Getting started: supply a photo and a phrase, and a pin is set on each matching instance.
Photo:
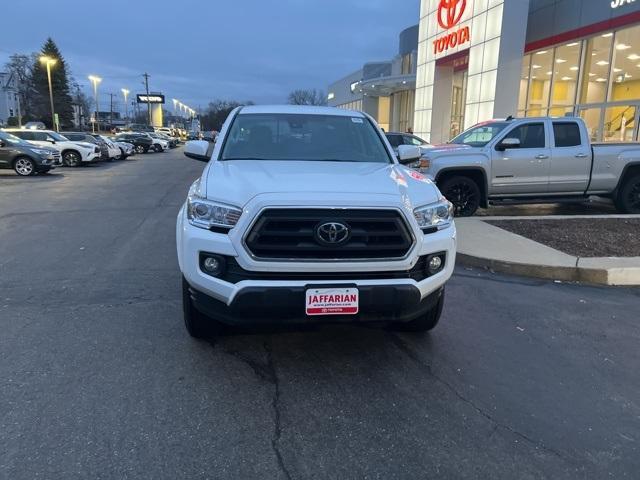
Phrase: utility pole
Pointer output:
(146, 86)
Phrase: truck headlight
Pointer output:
(437, 215)
(206, 214)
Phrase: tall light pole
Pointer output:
(125, 92)
(50, 62)
(95, 81)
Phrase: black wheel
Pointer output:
(24, 166)
(628, 200)
(122, 155)
(71, 159)
(426, 322)
(145, 149)
(197, 323)
(139, 149)
(464, 193)
(157, 148)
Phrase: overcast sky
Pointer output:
(199, 50)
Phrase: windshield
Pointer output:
(303, 137)
(7, 137)
(481, 134)
(57, 137)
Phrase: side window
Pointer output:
(24, 135)
(409, 140)
(531, 135)
(395, 140)
(567, 134)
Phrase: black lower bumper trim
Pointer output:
(286, 305)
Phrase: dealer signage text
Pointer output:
(620, 3)
(150, 98)
(449, 15)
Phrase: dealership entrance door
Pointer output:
(449, 97)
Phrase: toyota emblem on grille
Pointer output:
(332, 233)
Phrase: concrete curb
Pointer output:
(484, 246)
(593, 271)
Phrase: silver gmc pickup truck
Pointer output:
(531, 160)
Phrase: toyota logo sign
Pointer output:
(450, 12)
(332, 234)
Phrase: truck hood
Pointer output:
(450, 149)
(238, 181)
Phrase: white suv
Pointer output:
(304, 214)
(73, 154)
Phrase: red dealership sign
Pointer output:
(449, 14)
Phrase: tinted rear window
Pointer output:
(567, 134)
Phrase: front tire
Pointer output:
(24, 167)
(628, 200)
(197, 323)
(157, 148)
(426, 322)
(463, 193)
(71, 159)
(140, 149)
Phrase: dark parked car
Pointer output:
(173, 142)
(87, 137)
(397, 139)
(26, 158)
(141, 142)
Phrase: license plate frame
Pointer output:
(332, 300)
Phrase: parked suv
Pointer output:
(141, 142)
(305, 215)
(25, 158)
(73, 154)
(89, 138)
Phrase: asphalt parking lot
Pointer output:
(522, 379)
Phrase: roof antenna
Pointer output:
(509, 118)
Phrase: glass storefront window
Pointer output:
(565, 78)
(540, 83)
(591, 117)
(596, 69)
(626, 73)
(524, 83)
(619, 124)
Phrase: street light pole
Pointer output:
(49, 62)
(125, 92)
(96, 80)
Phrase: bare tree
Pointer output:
(20, 67)
(307, 97)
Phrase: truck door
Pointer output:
(522, 169)
(570, 159)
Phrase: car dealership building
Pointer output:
(482, 59)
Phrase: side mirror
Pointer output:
(408, 154)
(197, 149)
(508, 143)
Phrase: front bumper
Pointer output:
(286, 305)
(91, 157)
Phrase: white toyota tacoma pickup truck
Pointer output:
(529, 160)
(304, 214)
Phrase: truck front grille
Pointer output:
(292, 234)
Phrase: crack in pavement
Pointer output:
(406, 349)
(268, 373)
